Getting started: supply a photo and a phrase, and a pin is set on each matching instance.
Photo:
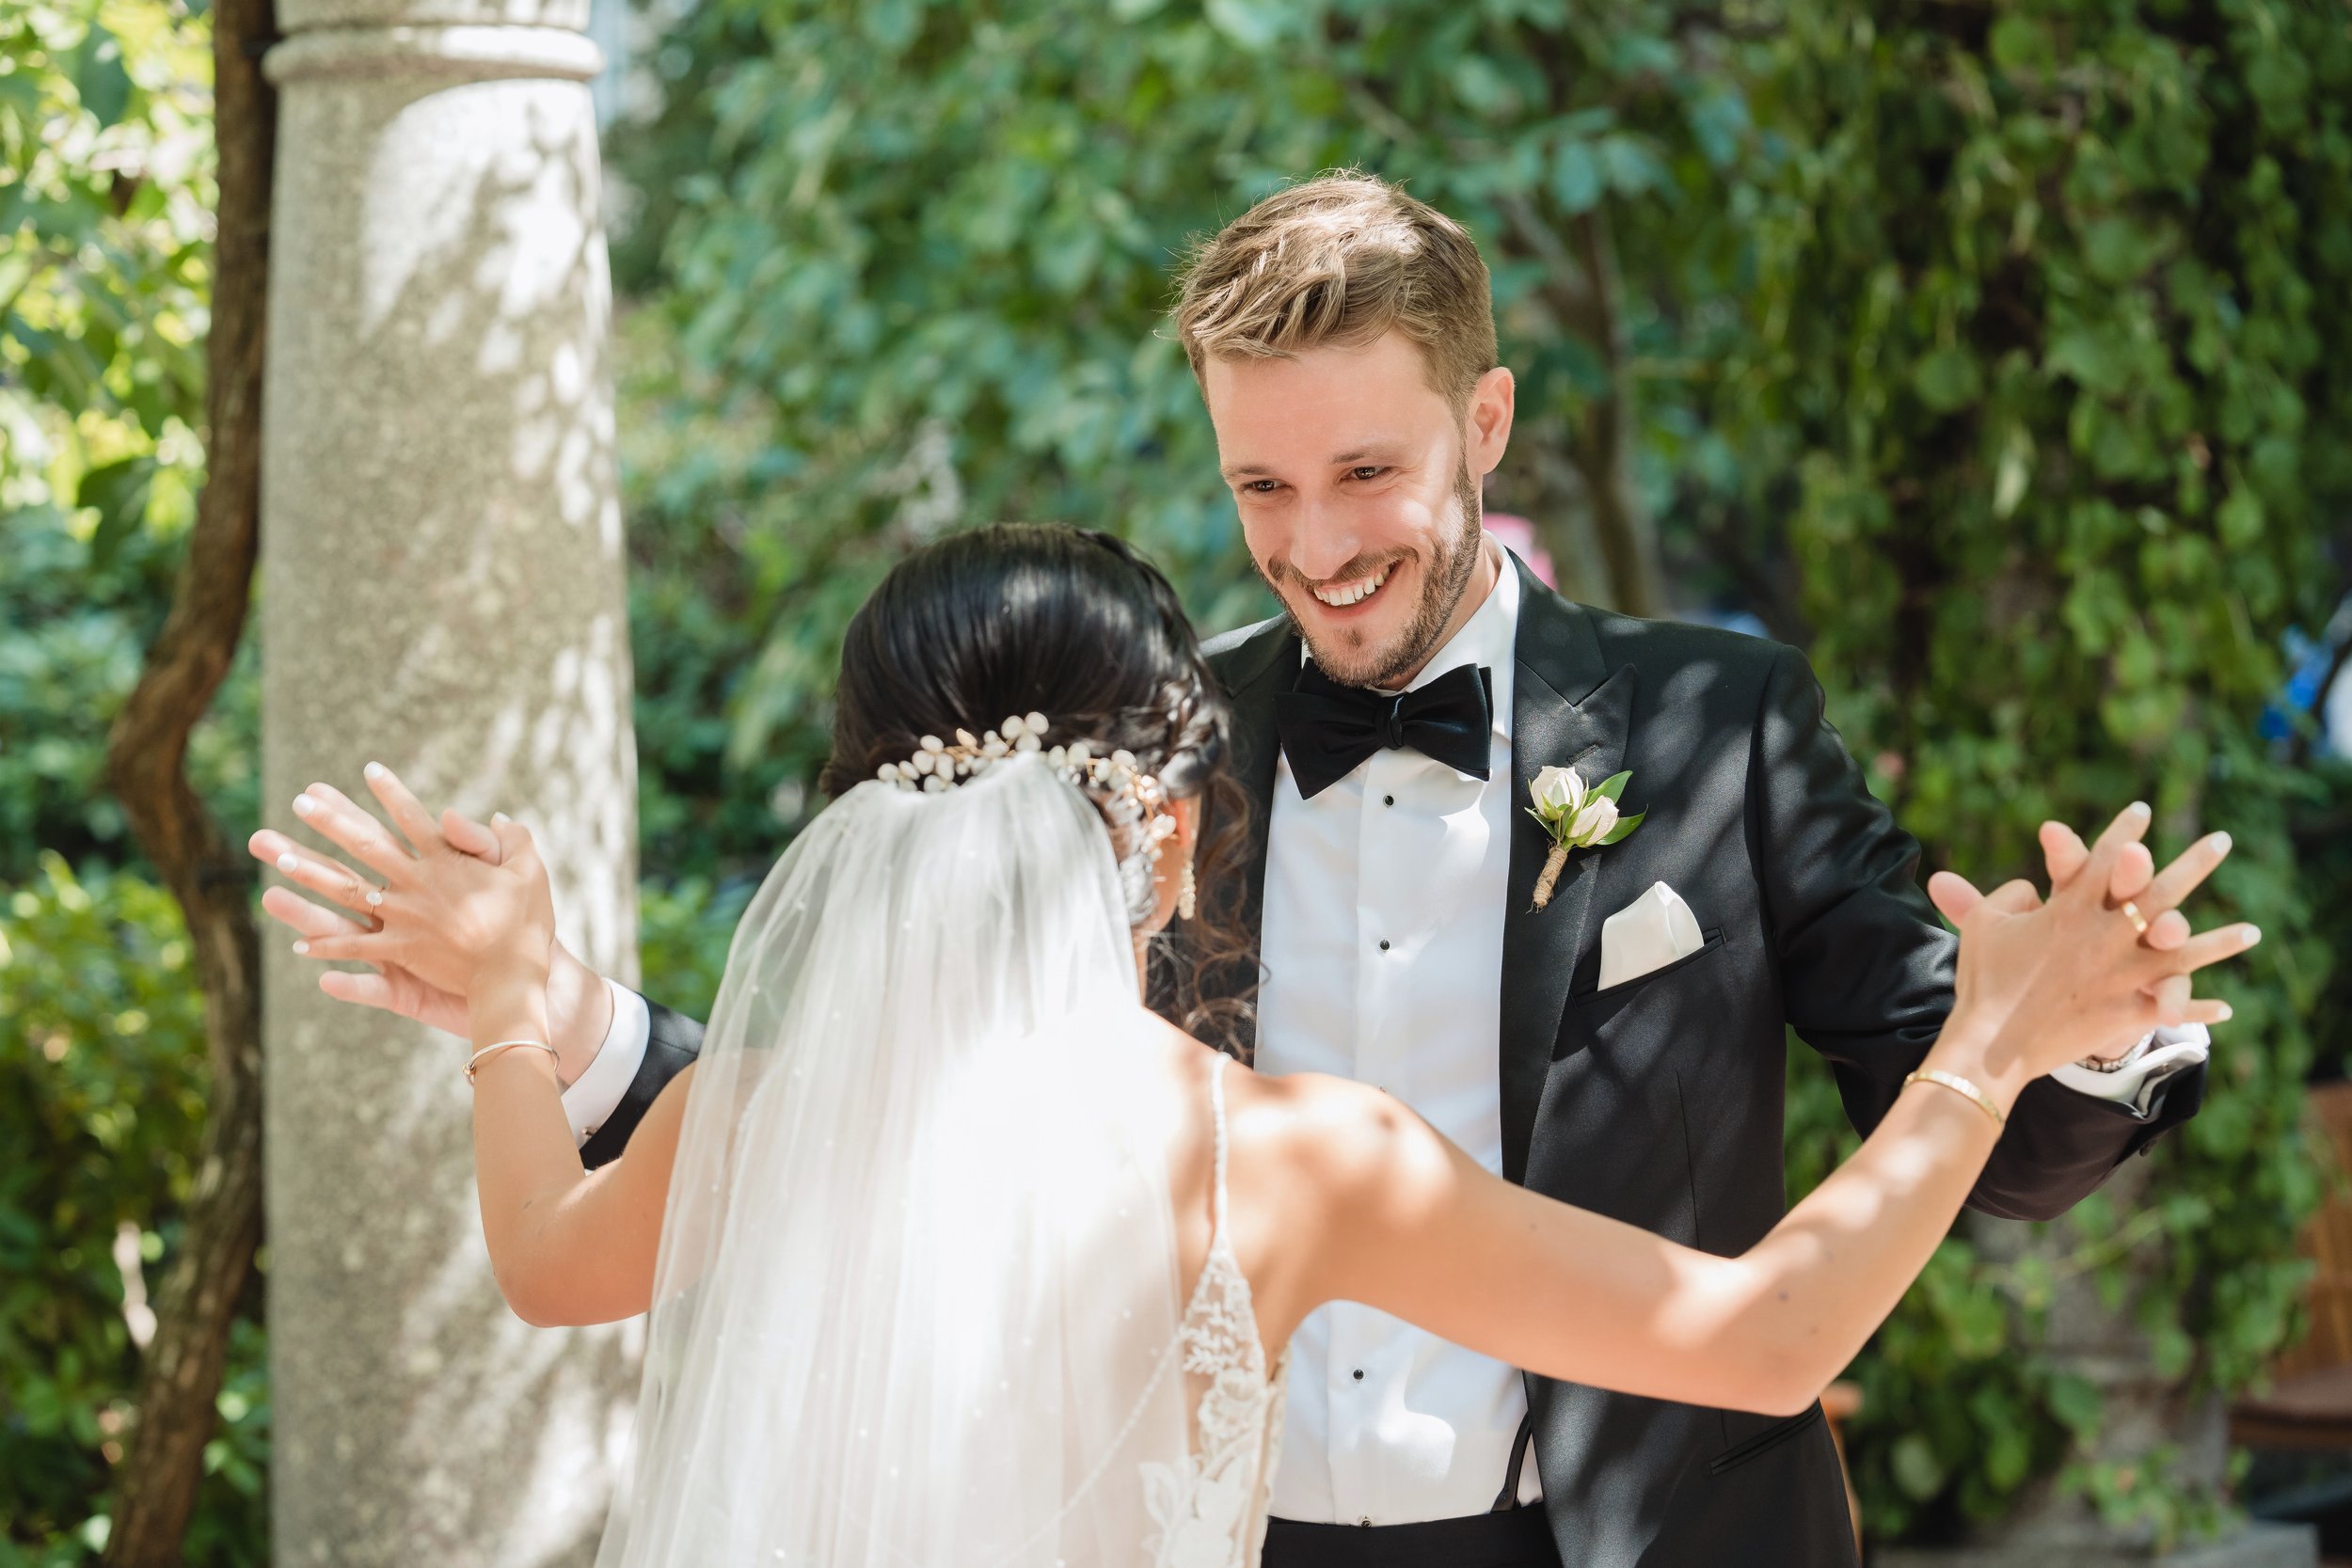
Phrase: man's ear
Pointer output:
(1488, 432)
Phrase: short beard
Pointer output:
(1447, 579)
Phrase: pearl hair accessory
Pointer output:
(1130, 799)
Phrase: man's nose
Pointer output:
(1323, 541)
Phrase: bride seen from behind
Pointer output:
(956, 1253)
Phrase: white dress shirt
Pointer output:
(597, 1092)
(1385, 899)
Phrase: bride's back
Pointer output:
(945, 1192)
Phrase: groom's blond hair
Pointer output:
(1339, 261)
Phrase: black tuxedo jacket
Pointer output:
(1659, 1101)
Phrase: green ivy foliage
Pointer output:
(102, 1073)
(2051, 376)
(106, 171)
(105, 186)
(911, 264)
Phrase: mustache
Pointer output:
(1277, 573)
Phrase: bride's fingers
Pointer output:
(2166, 932)
(2063, 853)
(365, 990)
(2014, 897)
(2129, 827)
(2135, 867)
(2172, 995)
(408, 813)
(330, 811)
(320, 874)
(308, 919)
(1954, 896)
(2175, 882)
(2226, 941)
(469, 837)
(2207, 1009)
(367, 947)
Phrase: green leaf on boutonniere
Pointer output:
(1612, 788)
(1625, 824)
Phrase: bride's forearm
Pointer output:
(1825, 1278)
(524, 1160)
(1417, 1229)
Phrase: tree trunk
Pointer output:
(163, 1462)
(1593, 460)
(1603, 451)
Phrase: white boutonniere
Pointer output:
(1578, 816)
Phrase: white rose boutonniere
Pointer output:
(1578, 816)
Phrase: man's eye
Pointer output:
(1260, 487)
(1367, 471)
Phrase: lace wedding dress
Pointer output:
(1210, 1508)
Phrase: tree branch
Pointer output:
(164, 1456)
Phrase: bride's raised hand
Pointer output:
(2042, 985)
(452, 914)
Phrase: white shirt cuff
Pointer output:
(597, 1092)
(2147, 1064)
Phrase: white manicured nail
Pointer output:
(2226, 1014)
(303, 947)
(304, 806)
(499, 817)
(2140, 808)
(2251, 934)
(372, 771)
(2219, 843)
(287, 862)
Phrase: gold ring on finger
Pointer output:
(2131, 913)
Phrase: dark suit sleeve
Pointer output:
(671, 1047)
(1866, 966)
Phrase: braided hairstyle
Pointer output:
(1018, 618)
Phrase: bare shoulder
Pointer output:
(1325, 1130)
(1333, 1156)
(1310, 1135)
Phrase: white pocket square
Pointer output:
(1649, 933)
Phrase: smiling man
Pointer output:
(1389, 724)
(1360, 507)
(1622, 1047)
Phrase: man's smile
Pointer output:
(1345, 595)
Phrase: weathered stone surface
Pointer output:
(295, 17)
(441, 590)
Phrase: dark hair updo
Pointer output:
(1021, 618)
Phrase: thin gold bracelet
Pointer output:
(1958, 1084)
(475, 1060)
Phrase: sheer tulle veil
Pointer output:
(917, 1298)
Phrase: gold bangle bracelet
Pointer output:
(477, 1058)
(1959, 1085)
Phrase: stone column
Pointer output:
(441, 589)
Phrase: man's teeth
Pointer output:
(1353, 592)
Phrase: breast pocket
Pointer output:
(1673, 998)
(1710, 941)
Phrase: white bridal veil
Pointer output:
(918, 1299)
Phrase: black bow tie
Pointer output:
(1328, 728)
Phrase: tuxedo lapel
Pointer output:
(1254, 667)
(1569, 709)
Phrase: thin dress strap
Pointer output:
(1217, 1102)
